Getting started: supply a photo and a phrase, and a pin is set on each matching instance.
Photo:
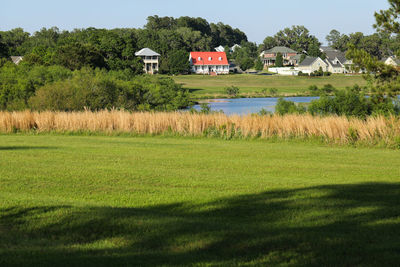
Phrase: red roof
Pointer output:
(209, 58)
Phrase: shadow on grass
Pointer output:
(337, 225)
(25, 147)
(192, 90)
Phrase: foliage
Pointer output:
(98, 89)
(176, 63)
(245, 56)
(297, 38)
(288, 107)
(327, 89)
(273, 91)
(232, 90)
(19, 83)
(351, 102)
(258, 65)
(279, 60)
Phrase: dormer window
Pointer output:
(220, 58)
(209, 58)
(199, 58)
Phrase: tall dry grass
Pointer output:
(334, 129)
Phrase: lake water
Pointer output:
(243, 106)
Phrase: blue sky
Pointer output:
(257, 18)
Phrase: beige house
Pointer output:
(311, 64)
(150, 60)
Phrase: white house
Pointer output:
(336, 60)
(220, 49)
(150, 59)
(311, 64)
(212, 63)
(16, 59)
(392, 61)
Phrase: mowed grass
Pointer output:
(152, 201)
(201, 85)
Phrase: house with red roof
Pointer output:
(209, 63)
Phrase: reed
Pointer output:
(343, 130)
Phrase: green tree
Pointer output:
(259, 65)
(178, 62)
(75, 55)
(279, 60)
(333, 37)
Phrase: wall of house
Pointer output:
(315, 66)
(205, 69)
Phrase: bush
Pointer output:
(303, 74)
(232, 90)
(273, 91)
(352, 102)
(97, 89)
(288, 107)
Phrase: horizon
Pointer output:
(65, 16)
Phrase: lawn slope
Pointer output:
(205, 85)
(151, 201)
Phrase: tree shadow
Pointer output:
(26, 147)
(192, 90)
(335, 225)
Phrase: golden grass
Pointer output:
(334, 129)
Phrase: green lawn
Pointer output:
(151, 201)
(203, 85)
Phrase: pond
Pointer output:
(243, 106)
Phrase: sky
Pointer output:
(257, 18)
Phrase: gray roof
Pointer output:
(146, 52)
(308, 61)
(297, 57)
(335, 54)
(280, 49)
(330, 62)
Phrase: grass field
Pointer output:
(151, 201)
(204, 85)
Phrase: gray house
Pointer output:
(150, 59)
(311, 64)
(336, 60)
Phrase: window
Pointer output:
(199, 58)
(209, 58)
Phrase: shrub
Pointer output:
(288, 107)
(232, 90)
(273, 91)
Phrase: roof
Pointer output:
(205, 56)
(219, 49)
(280, 49)
(308, 61)
(235, 46)
(297, 57)
(16, 59)
(146, 52)
(396, 60)
(331, 62)
(332, 54)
